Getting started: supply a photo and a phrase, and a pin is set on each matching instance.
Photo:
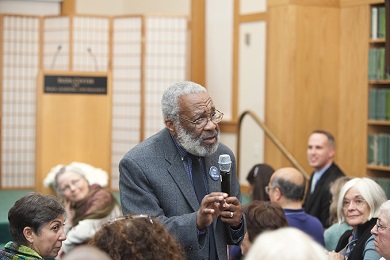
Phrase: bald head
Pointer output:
(289, 174)
(291, 183)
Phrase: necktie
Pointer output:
(200, 190)
(197, 179)
(314, 182)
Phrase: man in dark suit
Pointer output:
(320, 154)
(174, 175)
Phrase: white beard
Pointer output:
(194, 145)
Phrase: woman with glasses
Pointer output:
(87, 206)
(358, 205)
(381, 231)
(137, 237)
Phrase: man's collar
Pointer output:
(180, 149)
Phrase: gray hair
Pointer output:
(33, 210)
(170, 100)
(291, 191)
(385, 209)
(62, 171)
(371, 192)
(302, 246)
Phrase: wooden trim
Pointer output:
(329, 3)
(198, 42)
(228, 127)
(244, 189)
(68, 7)
(235, 59)
(348, 3)
(247, 18)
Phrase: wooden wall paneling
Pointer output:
(197, 27)
(302, 73)
(349, 3)
(353, 94)
(280, 79)
(68, 7)
(235, 57)
(317, 72)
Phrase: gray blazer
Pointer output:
(153, 181)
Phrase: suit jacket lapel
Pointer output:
(176, 169)
(209, 162)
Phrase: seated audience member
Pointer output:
(321, 148)
(84, 252)
(287, 243)
(137, 237)
(287, 187)
(381, 231)
(36, 226)
(358, 205)
(334, 232)
(258, 178)
(261, 216)
(87, 206)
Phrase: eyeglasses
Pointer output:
(268, 189)
(201, 122)
(357, 202)
(132, 216)
(73, 183)
(379, 226)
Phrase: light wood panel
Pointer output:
(197, 26)
(68, 7)
(352, 128)
(302, 77)
(72, 127)
(346, 3)
(329, 3)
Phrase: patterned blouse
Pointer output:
(12, 251)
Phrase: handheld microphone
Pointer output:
(225, 163)
(93, 56)
(53, 61)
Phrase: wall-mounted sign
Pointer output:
(75, 84)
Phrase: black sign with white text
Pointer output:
(75, 84)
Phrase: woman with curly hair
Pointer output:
(137, 237)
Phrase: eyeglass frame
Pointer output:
(357, 202)
(380, 226)
(209, 117)
(132, 216)
(267, 189)
(73, 183)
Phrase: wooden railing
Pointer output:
(271, 136)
